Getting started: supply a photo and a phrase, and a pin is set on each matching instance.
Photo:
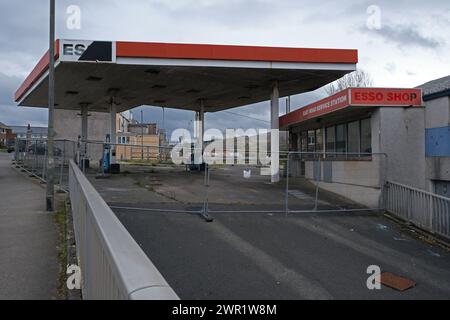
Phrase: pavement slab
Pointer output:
(28, 239)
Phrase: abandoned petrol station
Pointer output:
(384, 148)
(366, 135)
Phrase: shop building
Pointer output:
(355, 140)
(436, 96)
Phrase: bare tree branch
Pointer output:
(358, 78)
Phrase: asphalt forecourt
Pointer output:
(267, 255)
(264, 256)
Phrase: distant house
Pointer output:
(36, 133)
(139, 141)
(145, 128)
(6, 135)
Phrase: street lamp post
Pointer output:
(50, 197)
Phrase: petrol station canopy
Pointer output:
(178, 75)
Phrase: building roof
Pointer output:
(436, 88)
(351, 102)
(178, 75)
(34, 130)
(137, 124)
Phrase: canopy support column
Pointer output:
(113, 131)
(199, 132)
(201, 119)
(274, 149)
(84, 131)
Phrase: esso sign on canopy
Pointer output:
(71, 49)
(87, 51)
(386, 97)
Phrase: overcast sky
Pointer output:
(411, 47)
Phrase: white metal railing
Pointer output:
(113, 266)
(425, 209)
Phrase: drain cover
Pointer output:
(396, 282)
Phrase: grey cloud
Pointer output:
(408, 35)
(23, 25)
(10, 114)
(230, 13)
(19, 116)
(405, 35)
(8, 86)
(391, 67)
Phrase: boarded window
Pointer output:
(366, 136)
(311, 141)
(319, 140)
(331, 139)
(353, 142)
(341, 139)
(304, 141)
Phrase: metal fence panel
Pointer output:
(31, 156)
(425, 209)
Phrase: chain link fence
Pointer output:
(31, 155)
(309, 181)
(316, 182)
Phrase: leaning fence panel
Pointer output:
(424, 209)
(336, 182)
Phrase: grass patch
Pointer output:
(145, 186)
(61, 222)
(140, 184)
(152, 163)
(140, 162)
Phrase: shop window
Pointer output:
(311, 141)
(330, 139)
(294, 142)
(304, 141)
(366, 136)
(303, 144)
(346, 141)
(122, 140)
(353, 142)
(319, 140)
(341, 139)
